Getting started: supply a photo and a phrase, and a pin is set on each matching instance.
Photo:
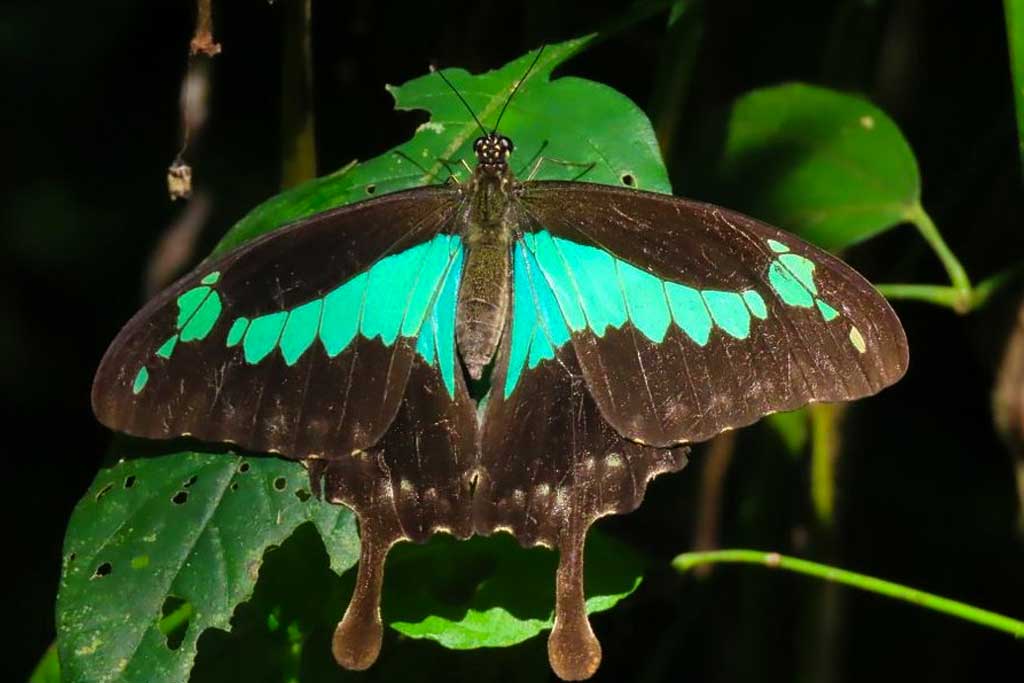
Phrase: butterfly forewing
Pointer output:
(301, 341)
(688, 319)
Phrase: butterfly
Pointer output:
(615, 327)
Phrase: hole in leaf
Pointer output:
(174, 622)
(104, 491)
(303, 495)
(234, 486)
(71, 558)
(243, 468)
(102, 570)
(129, 481)
(280, 483)
(371, 188)
(180, 498)
(191, 480)
(628, 180)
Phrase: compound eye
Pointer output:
(506, 143)
(477, 144)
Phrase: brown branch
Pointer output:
(202, 39)
(712, 484)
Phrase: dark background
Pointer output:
(926, 490)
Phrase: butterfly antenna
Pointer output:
(461, 98)
(518, 85)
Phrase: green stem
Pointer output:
(824, 452)
(944, 295)
(957, 275)
(675, 73)
(940, 295)
(176, 618)
(999, 622)
(297, 117)
(1015, 39)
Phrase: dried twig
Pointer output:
(202, 40)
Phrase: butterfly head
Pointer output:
(492, 152)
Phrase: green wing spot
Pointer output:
(189, 302)
(212, 278)
(262, 336)
(200, 324)
(342, 311)
(689, 312)
(550, 332)
(594, 270)
(300, 330)
(802, 268)
(237, 331)
(556, 272)
(827, 312)
(436, 262)
(167, 348)
(788, 287)
(756, 304)
(443, 321)
(855, 338)
(645, 299)
(729, 312)
(538, 325)
(523, 320)
(778, 247)
(140, 380)
(387, 293)
(425, 342)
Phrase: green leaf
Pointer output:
(1015, 39)
(566, 119)
(163, 547)
(488, 592)
(48, 668)
(831, 167)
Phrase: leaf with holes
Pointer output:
(571, 122)
(164, 547)
(831, 167)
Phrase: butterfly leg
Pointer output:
(572, 164)
(427, 173)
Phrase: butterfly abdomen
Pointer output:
(483, 303)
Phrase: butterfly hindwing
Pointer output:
(300, 342)
(550, 464)
(688, 319)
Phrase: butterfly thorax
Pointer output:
(486, 286)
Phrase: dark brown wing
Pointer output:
(696, 319)
(283, 345)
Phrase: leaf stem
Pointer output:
(176, 618)
(999, 622)
(1015, 38)
(297, 118)
(944, 295)
(824, 453)
(940, 295)
(957, 275)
